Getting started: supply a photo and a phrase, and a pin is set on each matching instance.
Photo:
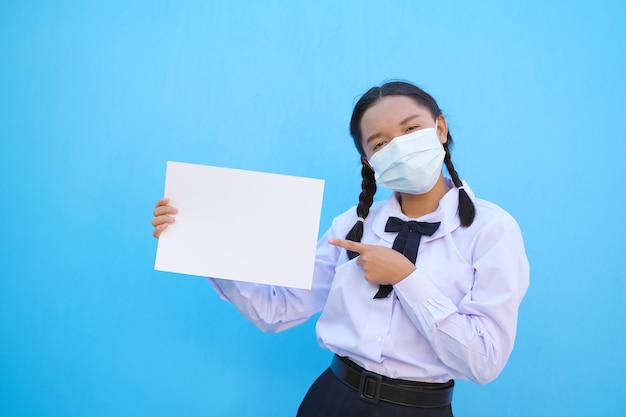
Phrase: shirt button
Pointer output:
(379, 338)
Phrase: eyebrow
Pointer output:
(403, 122)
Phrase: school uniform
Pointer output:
(453, 318)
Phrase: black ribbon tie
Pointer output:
(407, 242)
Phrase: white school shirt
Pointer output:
(454, 317)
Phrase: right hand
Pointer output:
(163, 216)
(381, 265)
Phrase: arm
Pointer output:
(272, 308)
(474, 336)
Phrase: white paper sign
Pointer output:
(241, 225)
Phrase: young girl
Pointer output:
(415, 291)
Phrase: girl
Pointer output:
(403, 327)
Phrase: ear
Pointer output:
(442, 129)
(366, 162)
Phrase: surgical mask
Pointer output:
(410, 163)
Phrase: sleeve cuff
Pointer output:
(217, 286)
(424, 302)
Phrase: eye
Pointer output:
(379, 145)
(412, 128)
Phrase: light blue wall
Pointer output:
(95, 97)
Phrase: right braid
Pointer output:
(467, 211)
(366, 199)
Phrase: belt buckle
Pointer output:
(367, 378)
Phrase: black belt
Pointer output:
(373, 387)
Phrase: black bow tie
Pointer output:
(407, 242)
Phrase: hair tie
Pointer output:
(460, 188)
(360, 219)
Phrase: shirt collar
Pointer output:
(446, 213)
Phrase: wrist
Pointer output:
(405, 273)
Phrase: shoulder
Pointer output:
(492, 227)
(488, 213)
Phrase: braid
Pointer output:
(467, 211)
(366, 199)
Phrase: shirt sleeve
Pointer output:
(474, 336)
(272, 308)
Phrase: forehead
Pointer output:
(388, 112)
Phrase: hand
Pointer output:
(380, 264)
(163, 216)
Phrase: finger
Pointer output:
(165, 210)
(162, 202)
(159, 220)
(159, 229)
(348, 244)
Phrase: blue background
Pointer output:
(95, 97)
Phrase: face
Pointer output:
(393, 116)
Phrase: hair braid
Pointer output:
(366, 199)
(467, 211)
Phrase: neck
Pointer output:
(417, 205)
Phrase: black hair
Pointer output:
(466, 209)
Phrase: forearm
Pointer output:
(270, 308)
(472, 339)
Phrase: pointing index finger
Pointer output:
(347, 244)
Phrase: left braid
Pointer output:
(366, 199)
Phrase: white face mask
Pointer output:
(410, 163)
